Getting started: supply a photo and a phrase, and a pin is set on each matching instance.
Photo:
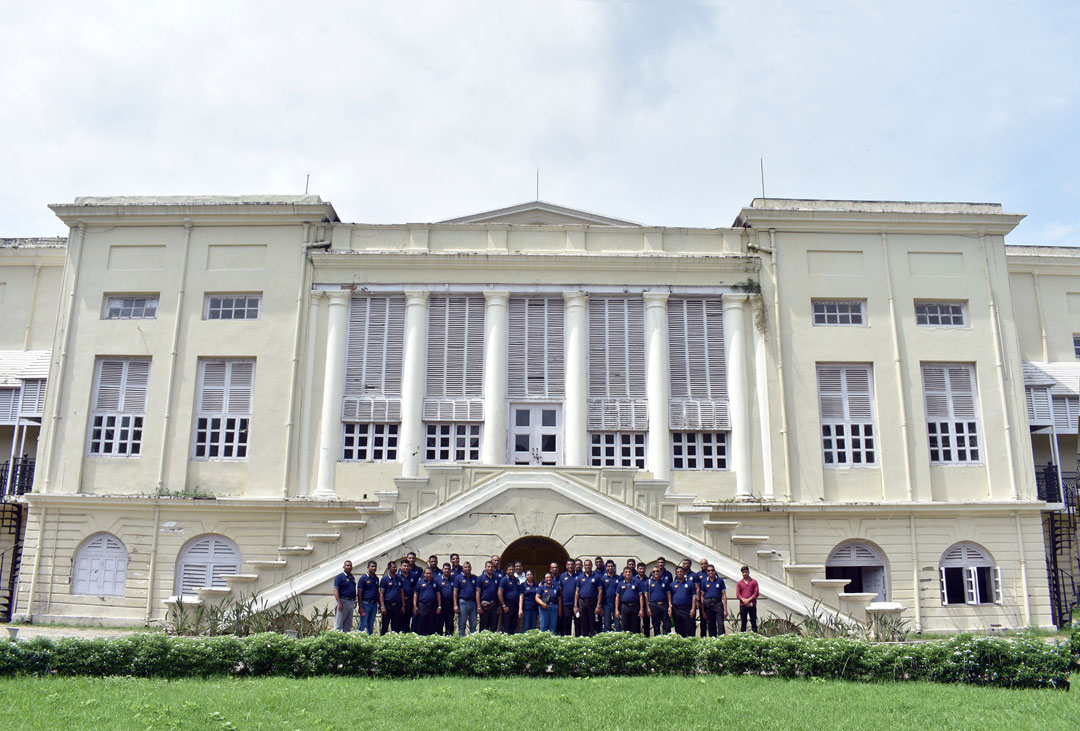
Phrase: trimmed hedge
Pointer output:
(1017, 662)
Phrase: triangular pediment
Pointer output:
(541, 213)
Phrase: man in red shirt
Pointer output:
(747, 592)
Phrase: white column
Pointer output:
(411, 439)
(496, 325)
(657, 384)
(309, 394)
(333, 390)
(737, 394)
(764, 416)
(576, 425)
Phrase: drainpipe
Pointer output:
(33, 301)
(898, 368)
(1023, 570)
(916, 591)
(165, 436)
(999, 367)
(37, 564)
(151, 576)
(771, 251)
(74, 259)
(294, 366)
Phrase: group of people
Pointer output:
(577, 601)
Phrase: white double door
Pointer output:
(535, 434)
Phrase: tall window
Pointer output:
(941, 314)
(453, 403)
(232, 306)
(223, 418)
(372, 406)
(119, 406)
(846, 406)
(698, 411)
(536, 365)
(617, 449)
(969, 576)
(131, 307)
(951, 412)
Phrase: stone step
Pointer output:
(837, 584)
(770, 556)
(213, 592)
(721, 525)
(234, 579)
(187, 601)
(323, 537)
(268, 564)
(804, 568)
(749, 540)
(295, 550)
(857, 597)
(376, 509)
(348, 523)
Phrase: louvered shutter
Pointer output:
(110, 384)
(859, 400)
(697, 365)
(998, 594)
(935, 393)
(1065, 411)
(241, 380)
(831, 393)
(455, 359)
(212, 395)
(944, 591)
(373, 364)
(9, 405)
(135, 384)
(101, 567)
(32, 399)
(1038, 405)
(536, 361)
(962, 391)
(970, 590)
(616, 398)
(205, 563)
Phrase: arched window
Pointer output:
(100, 566)
(969, 576)
(205, 561)
(862, 565)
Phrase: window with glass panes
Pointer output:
(369, 442)
(941, 314)
(223, 417)
(839, 312)
(232, 306)
(846, 408)
(131, 307)
(119, 399)
(699, 450)
(452, 442)
(952, 418)
(617, 449)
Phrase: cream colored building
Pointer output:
(245, 391)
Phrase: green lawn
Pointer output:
(452, 703)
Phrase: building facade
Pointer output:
(849, 397)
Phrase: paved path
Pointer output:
(29, 631)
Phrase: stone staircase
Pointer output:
(420, 504)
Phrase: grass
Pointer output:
(476, 704)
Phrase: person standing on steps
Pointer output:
(488, 586)
(683, 603)
(528, 610)
(659, 592)
(587, 601)
(390, 598)
(427, 604)
(368, 587)
(445, 580)
(611, 588)
(510, 600)
(344, 598)
(642, 581)
(712, 596)
(747, 593)
(629, 602)
(547, 598)
(568, 584)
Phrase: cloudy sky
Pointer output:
(653, 111)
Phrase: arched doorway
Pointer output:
(535, 553)
(862, 564)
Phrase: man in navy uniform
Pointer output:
(700, 576)
(408, 589)
(509, 601)
(445, 581)
(427, 603)
(629, 603)
(568, 581)
(659, 592)
(455, 564)
(683, 603)
(642, 580)
(433, 564)
(390, 598)
(344, 598)
(587, 604)
(661, 563)
(712, 595)
(368, 588)
(611, 585)
(488, 585)
(466, 598)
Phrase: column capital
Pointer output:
(496, 296)
(655, 299)
(735, 300)
(416, 297)
(338, 296)
(575, 298)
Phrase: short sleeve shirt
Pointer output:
(346, 585)
(466, 586)
(628, 591)
(511, 590)
(568, 584)
(589, 585)
(489, 588)
(369, 588)
(391, 588)
(611, 585)
(682, 592)
(427, 591)
(713, 589)
(658, 589)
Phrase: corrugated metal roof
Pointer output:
(23, 365)
(1062, 376)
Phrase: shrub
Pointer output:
(1024, 661)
